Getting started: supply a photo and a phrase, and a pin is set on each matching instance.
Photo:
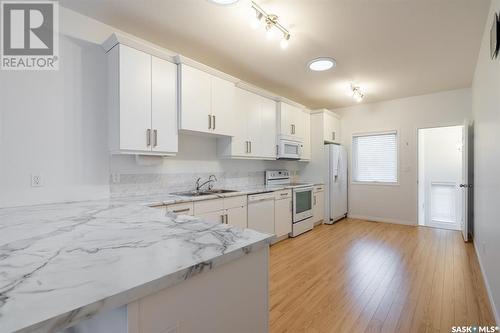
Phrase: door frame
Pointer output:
(417, 180)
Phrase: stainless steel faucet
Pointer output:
(211, 180)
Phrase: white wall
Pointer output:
(440, 161)
(54, 123)
(399, 203)
(486, 110)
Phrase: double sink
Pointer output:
(201, 193)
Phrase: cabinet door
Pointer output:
(135, 98)
(196, 99)
(283, 217)
(318, 206)
(286, 119)
(215, 217)
(237, 216)
(239, 141)
(305, 134)
(253, 121)
(267, 128)
(223, 106)
(164, 105)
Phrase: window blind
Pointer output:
(375, 157)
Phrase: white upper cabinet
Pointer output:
(289, 119)
(223, 106)
(196, 100)
(255, 128)
(330, 130)
(207, 102)
(267, 128)
(305, 133)
(163, 106)
(142, 103)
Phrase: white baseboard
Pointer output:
(380, 219)
(488, 289)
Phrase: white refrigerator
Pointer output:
(336, 183)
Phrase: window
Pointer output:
(375, 157)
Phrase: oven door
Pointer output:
(302, 203)
(289, 149)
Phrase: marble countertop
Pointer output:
(169, 199)
(61, 263)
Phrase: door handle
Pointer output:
(466, 185)
(214, 122)
(155, 137)
(148, 137)
(209, 122)
(181, 210)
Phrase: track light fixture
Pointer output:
(357, 94)
(271, 24)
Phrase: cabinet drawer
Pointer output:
(233, 202)
(284, 194)
(319, 188)
(185, 208)
(207, 206)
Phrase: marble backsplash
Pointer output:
(144, 184)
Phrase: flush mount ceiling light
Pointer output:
(224, 2)
(271, 24)
(321, 64)
(357, 94)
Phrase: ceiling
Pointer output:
(391, 48)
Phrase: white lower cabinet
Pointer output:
(185, 208)
(283, 213)
(231, 210)
(237, 216)
(215, 217)
(318, 203)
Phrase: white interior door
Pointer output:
(464, 186)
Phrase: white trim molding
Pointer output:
(381, 219)
(494, 309)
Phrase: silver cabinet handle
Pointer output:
(227, 219)
(209, 122)
(314, 197)
(250, 146)
(214, 122)
(222, 219)
(148, 137)
(291, 129)
(291, 207)
(247, 150)
(333, 136)
(155, 138)
(181, 210)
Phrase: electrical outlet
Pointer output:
(115, 178)
(36, 180)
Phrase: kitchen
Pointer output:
(150, 180)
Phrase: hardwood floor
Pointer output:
(359, 276)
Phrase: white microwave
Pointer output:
(290, 148)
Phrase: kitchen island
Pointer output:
(122, 266)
